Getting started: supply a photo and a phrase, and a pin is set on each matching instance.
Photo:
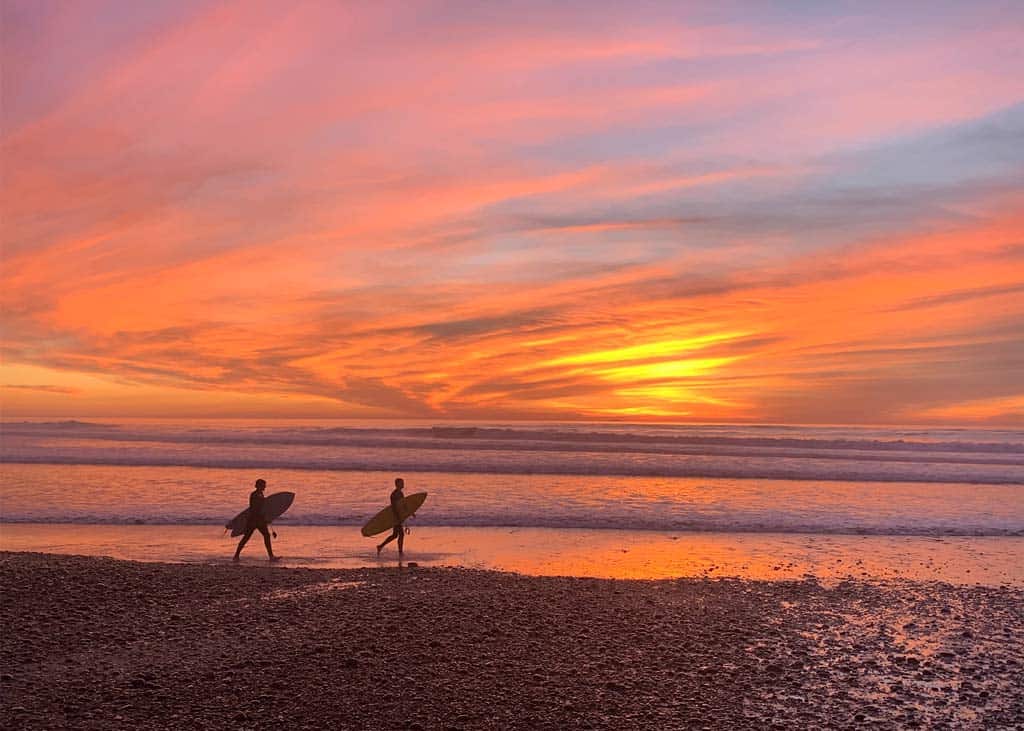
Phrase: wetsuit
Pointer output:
(396, 503)
(256, 521)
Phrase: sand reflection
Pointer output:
(991, 561)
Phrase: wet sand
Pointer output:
(607, 554)
(99, 643)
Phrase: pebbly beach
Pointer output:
(98, 643)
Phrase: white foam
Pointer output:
(795, 453)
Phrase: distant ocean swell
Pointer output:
(795, 453)
(501, 464)
(562, 438)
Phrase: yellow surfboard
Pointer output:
(385, 519)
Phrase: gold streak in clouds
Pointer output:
(669, 395)
(1001, 410)
(68, 393)
(664, 370)
(647, 350)
(638, 412)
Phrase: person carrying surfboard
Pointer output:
(399, 530)
(257, 521)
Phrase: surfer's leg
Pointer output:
(401, 538)
(266, 540)
(394, 534)
(245, 539)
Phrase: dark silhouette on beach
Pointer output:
(399, 530)
(257, 521)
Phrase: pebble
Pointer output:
(479, 649)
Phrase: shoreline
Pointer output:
(102, 643)
(285, 522)
(454, 468)
(595, 553)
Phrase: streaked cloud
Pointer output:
(44, 387)
(707, 212)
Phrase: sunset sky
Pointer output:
(780, 212)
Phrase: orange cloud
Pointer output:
(324, 209)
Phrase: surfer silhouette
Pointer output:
(399, 530)
(257, 521)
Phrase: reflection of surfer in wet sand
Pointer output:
(399, 530)
(257, 520)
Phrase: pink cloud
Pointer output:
(329, 199)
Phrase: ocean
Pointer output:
(830, 480)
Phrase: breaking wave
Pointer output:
(775, 452)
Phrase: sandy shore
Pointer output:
(599, 554)
(99, 643)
